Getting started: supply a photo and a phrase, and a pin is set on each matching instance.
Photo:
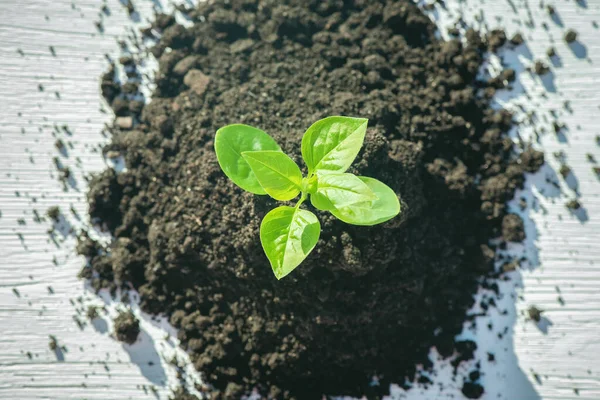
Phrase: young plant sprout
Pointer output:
(254, 162)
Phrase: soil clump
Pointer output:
(369, 301)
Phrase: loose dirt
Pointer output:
(369, 301)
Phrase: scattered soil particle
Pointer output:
(509, 74)
(573, 204)
(513, 229)
(496, 39)
(499, 82)
(163, 21)
(130, 87)
(522, 204)
(120, 106)
(53, 213)
(126, 327)
(517, 39)
(531, 160)
(453, 31)
(92, 312)
(124, 123)
(510, 266)
(474, 375)
(368, 300)
(540, 68)
(570, 36)
(197, 81)
(551, 10)
(182, 394)
(534, 313)
(472, 390)
(127, 61)
(551, 52)
(130, 7)
(53, 343)
(564, 171)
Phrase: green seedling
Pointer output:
(256, 163)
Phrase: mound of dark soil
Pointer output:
(369, 301)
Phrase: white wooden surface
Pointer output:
(531, 363)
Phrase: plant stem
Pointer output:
(302, 198)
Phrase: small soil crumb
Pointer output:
(126, 327)
(92, 312)
(59, 144)
(120, 106)
(162, 21)
(136, 106)
(517, 39)
(570, 36)
(551, 52)
(182, 394)
(522, 204)
(499, 82)
(113, 154)
(185, 65)
(565, 170)
(531, 160)
(557, 127)
(551, 10)
(513, 229)
(124, 123)
(197, 81)
(573, 204)
(509, 74)
(590, 157)
(130, 7)
(53, 343)
(130, 87)
(534, 313)
(53, 213)
(541, 68)
(496, 39)
(472, 390)
(127, 61)
(510, 266)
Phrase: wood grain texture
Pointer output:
(531, 362)
(39, 291)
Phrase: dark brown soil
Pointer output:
(368, 301)
(513, 229)
(126, 327)
(472, 390)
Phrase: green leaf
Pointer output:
(230, 142)
(331, 144)
(288, 235)
(278, 174)
(338, 190)
(373, 212)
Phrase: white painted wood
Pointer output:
(563, 249)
